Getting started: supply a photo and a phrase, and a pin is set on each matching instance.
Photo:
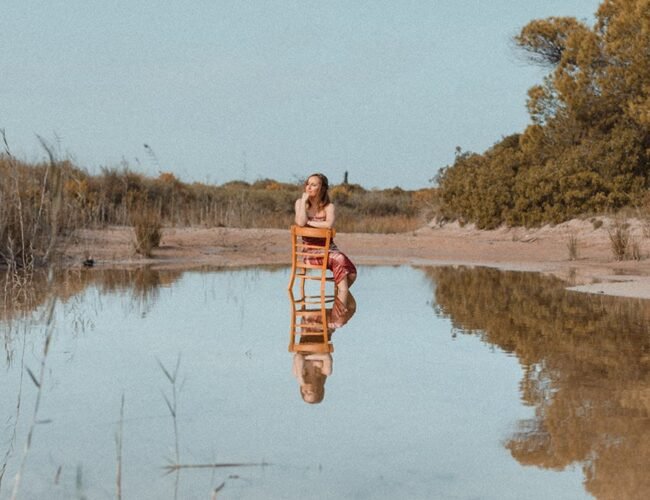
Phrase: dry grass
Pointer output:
(349, 223)
(635, 249)
(620, 239)
(172, 403)
(38, 380)
(147, 226)
(572, 244)
(119, 438)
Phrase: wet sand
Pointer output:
(542, 250)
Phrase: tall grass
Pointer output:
(119, 441)
(38, 380)
(572, 244)
(147, 226)
(32, 210)
(620, 240)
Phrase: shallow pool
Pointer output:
(445, 383)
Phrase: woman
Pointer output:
(314, 209)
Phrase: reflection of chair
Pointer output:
(310, 248)
(309, 332)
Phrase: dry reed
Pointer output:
(635, 249)
(172, 404)
(147, 227)
(38, 382)
(620, 238)
(572, 244)
(119, 435)
(19, 398)
(33, 209)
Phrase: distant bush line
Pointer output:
(42, 202)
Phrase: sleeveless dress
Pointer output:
(338, 262)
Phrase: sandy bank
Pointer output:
(542, 250)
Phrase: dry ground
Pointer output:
(543, 250)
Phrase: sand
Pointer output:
(543, 250)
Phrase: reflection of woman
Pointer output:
(312, 369)
(341, 312)
(315, 209)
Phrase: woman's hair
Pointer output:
(314, 379)
(323, 194)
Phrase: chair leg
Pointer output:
(292, 278)
(324, 321)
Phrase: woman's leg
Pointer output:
(344, 273)
(343, 286)
(342, 289)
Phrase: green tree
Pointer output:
(588, 146)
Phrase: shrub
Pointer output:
(35, 210)
(572, 245)
(147, 226)
(619, 237)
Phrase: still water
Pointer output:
(445, 383)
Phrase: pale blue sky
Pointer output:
(260, 88)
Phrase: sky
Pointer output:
(254, 89)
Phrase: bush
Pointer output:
(147, 226)
(619, 237)
(35, 210)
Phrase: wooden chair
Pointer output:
(301, 252)
(309, 332)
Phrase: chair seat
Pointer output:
(313, 348)
(313, 300)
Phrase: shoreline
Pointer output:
(543, 250)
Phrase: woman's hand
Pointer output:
(301, 210)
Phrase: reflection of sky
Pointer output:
(409, 412)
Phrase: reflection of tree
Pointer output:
(142, 283)
(586, 366)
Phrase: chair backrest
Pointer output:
(310, 250)
(308, 244)
(313, 232)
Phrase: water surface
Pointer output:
(445, 383)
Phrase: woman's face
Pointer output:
(310, 394)
(312, 186)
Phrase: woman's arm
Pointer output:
(329, 218)
(297, 366)
(301, 210)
